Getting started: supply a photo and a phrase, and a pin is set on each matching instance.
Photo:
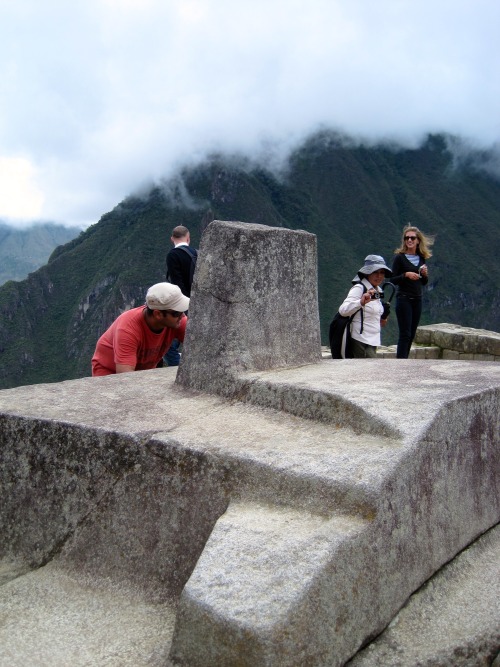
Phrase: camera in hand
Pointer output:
(376, 295)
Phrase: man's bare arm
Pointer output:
(124, 368)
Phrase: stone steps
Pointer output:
(389, 352)
(260, 565)
(458, 606)
(451, 342)
(276, 532)
(54, 617)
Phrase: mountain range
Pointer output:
(355, 198)
(22, 251)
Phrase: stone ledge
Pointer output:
(416, 352)
(446, 341)
(130, 465)
(65, 617)
(464, 340)
(389, 352)
(429, 631)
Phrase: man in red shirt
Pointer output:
(138, 338)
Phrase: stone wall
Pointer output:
(457, 342)
(452, 342)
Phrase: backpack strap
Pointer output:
(190, 251)
(365, 289)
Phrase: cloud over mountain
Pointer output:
(99, 96)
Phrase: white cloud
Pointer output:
(101, 95)
(20, 195)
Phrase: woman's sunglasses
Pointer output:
(410, 238)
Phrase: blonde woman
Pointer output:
(410, 274)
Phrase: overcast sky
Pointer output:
(100, 96)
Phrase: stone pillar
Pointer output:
(254, 305)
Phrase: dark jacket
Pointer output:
(407, 287)
(179, 267)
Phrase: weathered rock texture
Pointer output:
(255, 305)
(436, 628)
(147, 523)
(450, 341)
(456, 342)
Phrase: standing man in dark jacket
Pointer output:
(181, 262)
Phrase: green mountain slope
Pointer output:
(25, 250)
(355, 199)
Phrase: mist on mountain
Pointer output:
(356, 198)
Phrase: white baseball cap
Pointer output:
(165, 296)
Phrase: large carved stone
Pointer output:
(286, 523)
(255, 304)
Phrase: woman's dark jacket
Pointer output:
(407, 287)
